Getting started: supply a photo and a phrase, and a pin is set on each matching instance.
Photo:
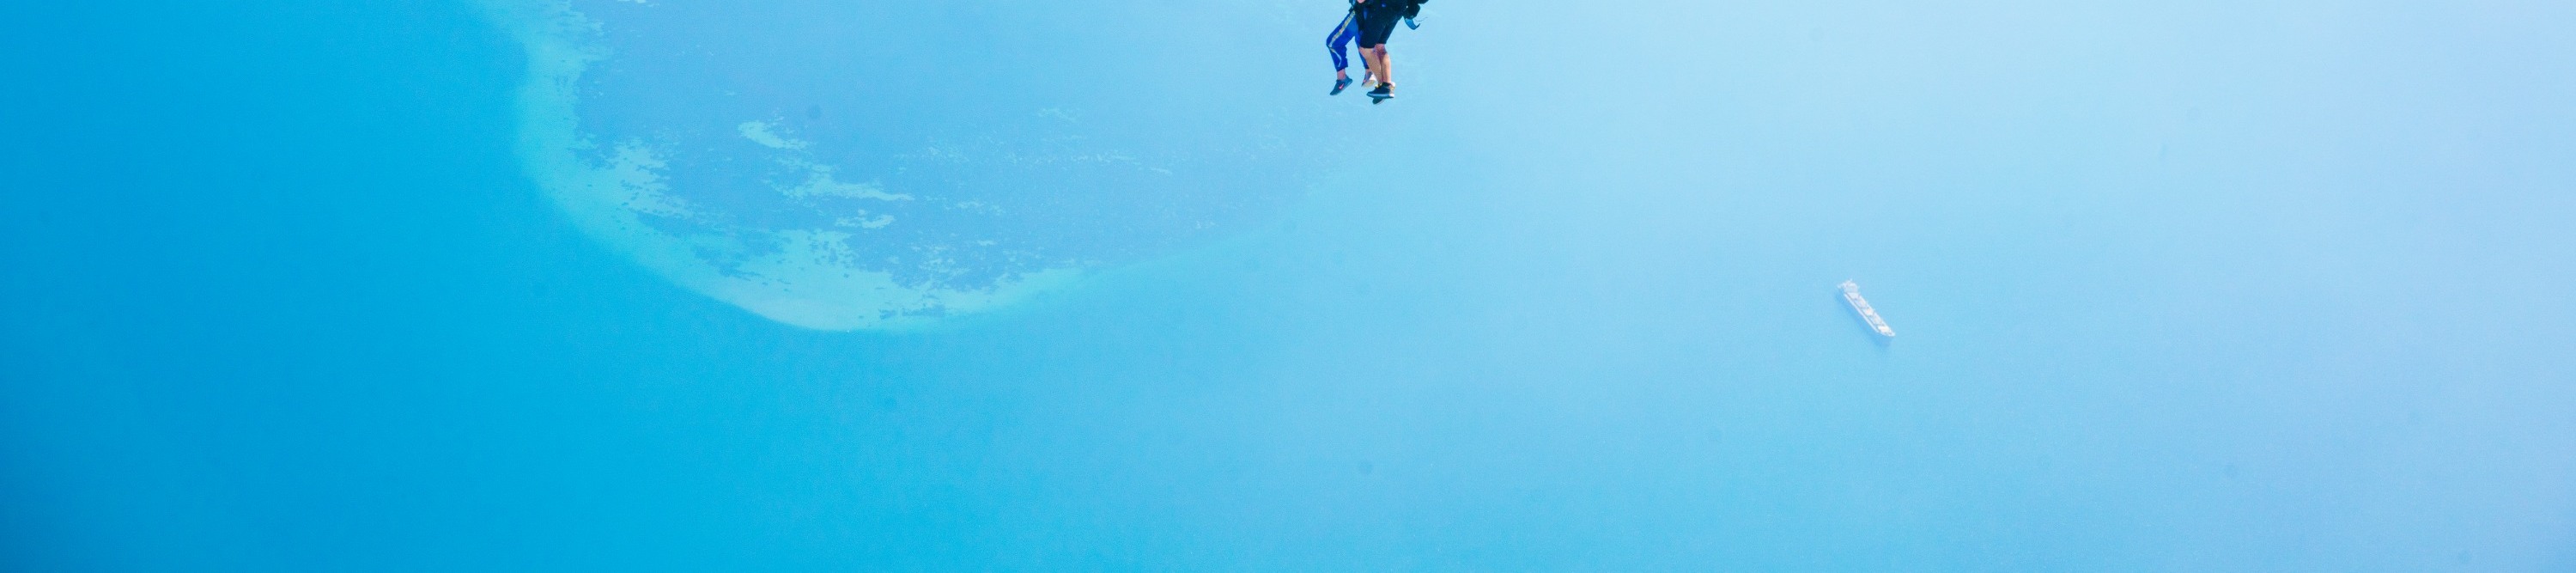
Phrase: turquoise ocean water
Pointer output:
(1007, 285)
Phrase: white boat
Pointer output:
(1851, 294)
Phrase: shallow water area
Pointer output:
(851, 166)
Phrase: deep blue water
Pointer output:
(2271, 286)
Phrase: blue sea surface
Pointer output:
(1009, 285)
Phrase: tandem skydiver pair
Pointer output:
(1369, 23)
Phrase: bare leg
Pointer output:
(1378, 64)
(1368, 67)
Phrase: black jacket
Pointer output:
(1409, 8)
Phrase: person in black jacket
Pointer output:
(1375, 20)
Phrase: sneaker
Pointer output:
(1383, 92)
(1339, 85)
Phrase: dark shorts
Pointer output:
(1377, 23)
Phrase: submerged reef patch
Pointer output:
(690, 136)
